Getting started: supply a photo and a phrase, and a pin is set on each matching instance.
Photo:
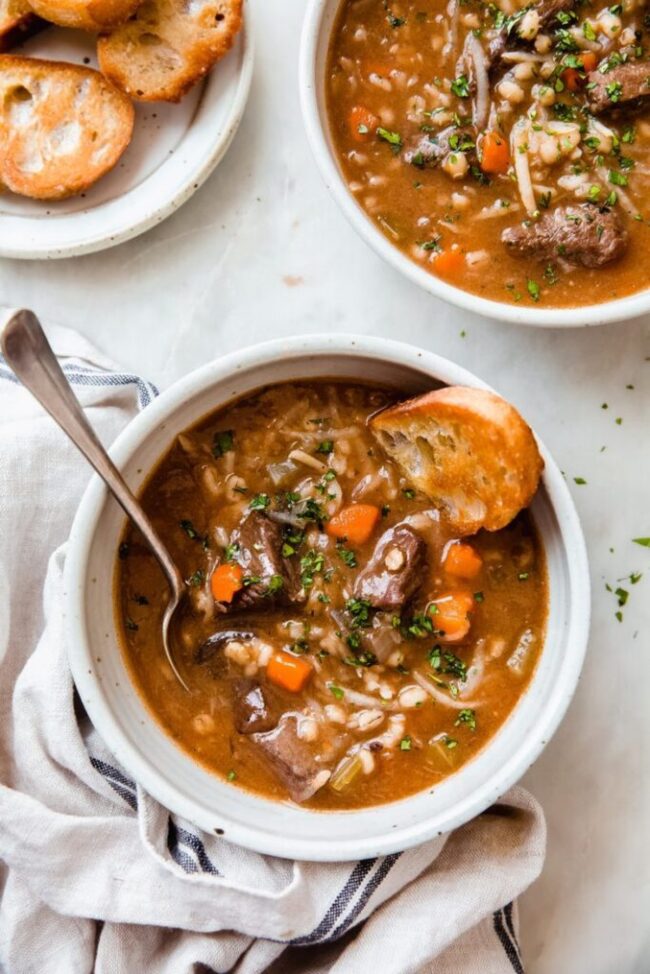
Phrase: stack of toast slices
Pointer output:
(64, 126)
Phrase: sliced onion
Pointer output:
(481, 102)
(522, 171)
(455, 703)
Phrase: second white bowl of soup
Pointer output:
(501, 171)
(329, 717)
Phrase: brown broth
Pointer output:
(424, 211)
(192, 500)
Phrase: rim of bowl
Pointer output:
(316, 127)
(80, 655)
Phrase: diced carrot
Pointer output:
(449, 263)
(462, 560)
(495, 155)
(363, 124)
(288, 671)
(226, 581)
(450, 615)
(572, 79)
(356, 523)
(589, 60)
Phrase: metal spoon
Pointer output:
(28, 352)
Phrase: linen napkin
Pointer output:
(97, 876)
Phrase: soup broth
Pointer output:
(342, 660)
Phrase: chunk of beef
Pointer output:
(258, 715)
(508, 37)
(260, 556)
(394, 572)
(253, 707)
(428, 151)
(582, 235)
(623, 84)
(217, 640)
(294, 760)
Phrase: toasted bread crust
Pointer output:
(17, 23)
(62, 127)
(467, 449)
(92, 15)
(168, 46)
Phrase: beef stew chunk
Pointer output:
(394, 573)
(340, 688)
(583, 236)
(258, 541)
(499, 114)
(617, 86)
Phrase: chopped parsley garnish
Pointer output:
(523, 576)
(533, 289)
(360, 610)
(347, 556)
(394, 139)
(409, 493)
(614, 90)
(231, 776)
(325, 446)
(276, 582)
(260, 502)
(479, 597)
(222, 443)
(310, 564)
(313, 512)
(460, 86)
(617, 178)
(189, 529)
(447, 663)
(322, 597)
(196, 578)
(580, 481)
(450, 742)
(300, 647)
(336, 691)
(467, 717)
(364, 658)
(588, 31)
(644, 542)
(249, 580)
(231, 551)
(292, 539)
(405, 744)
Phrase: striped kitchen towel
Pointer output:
(97, 876)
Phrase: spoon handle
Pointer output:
(28, 352)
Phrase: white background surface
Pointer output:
(261, 251)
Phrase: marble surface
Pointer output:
(261, 251)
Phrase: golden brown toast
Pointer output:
(62, 127)
(168, 46)
(469, 450)
(93, 15)
(17, 22)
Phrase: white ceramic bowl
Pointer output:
(318, 24)
(165, 771)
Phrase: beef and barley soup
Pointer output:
(501, 145)
(342, 646)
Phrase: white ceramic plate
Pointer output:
(168, 773)
(174, 149)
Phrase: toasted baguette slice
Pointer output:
(93, 15)
(468, 450)
(61, 127)
(17, 22)
(168, 46)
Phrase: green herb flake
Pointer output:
(223, 442)
(394, 139)
(533, 289)
(231, 776)
(336, 692)
(466, 717)
(580, 481)
(276, 583)
(325, 446)
(409, 493)
(644, 542)
(196, 578)
(405, 744)
(460, 86)
(347, 556)
(260, 502)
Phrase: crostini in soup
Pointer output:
(351, 639)
(501, 146)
